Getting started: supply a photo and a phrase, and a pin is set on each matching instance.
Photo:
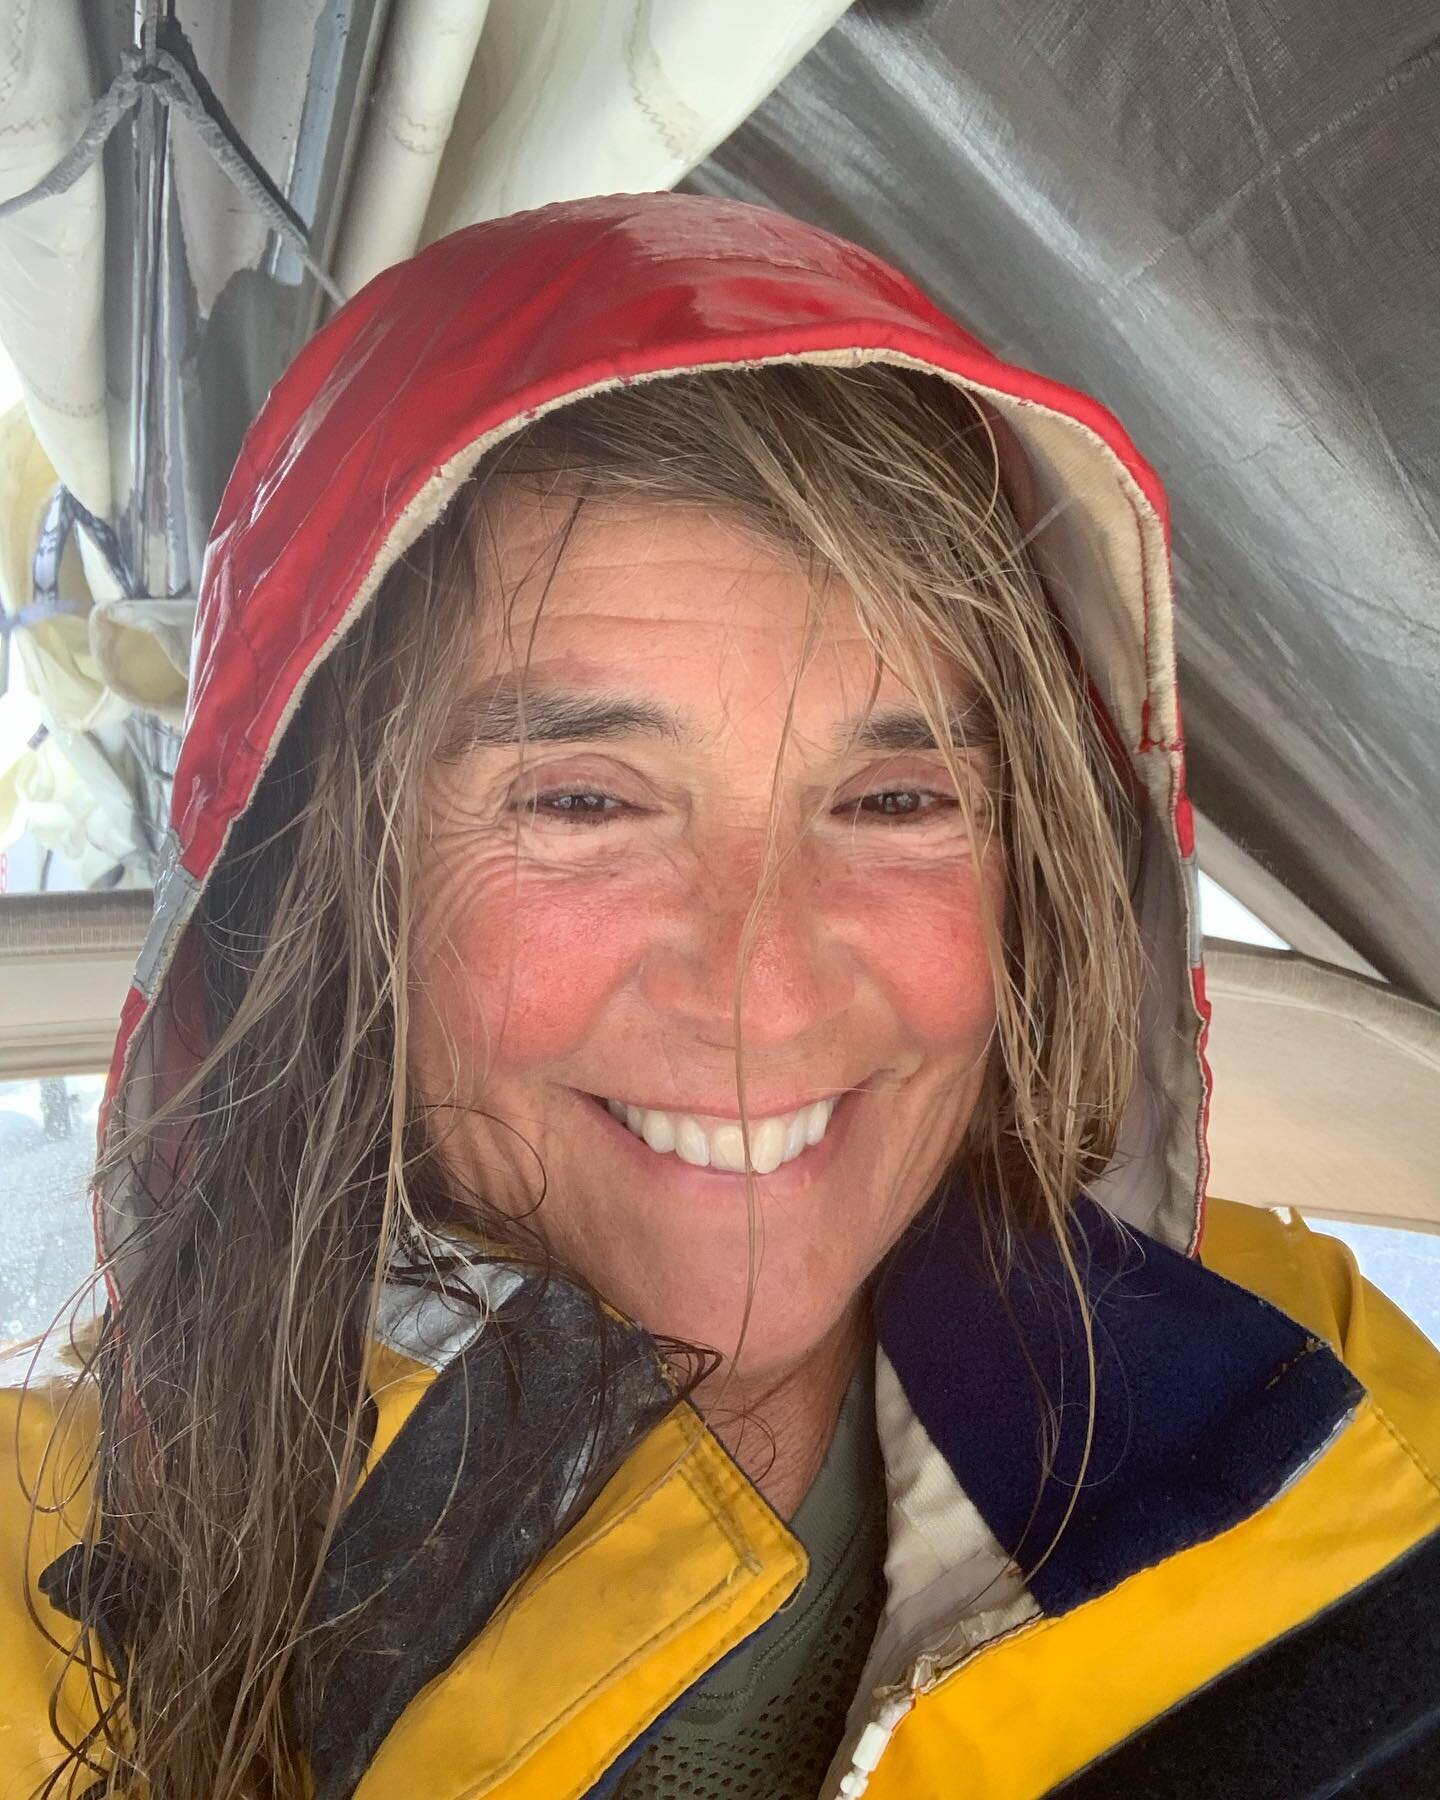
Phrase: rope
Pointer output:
(171, 75)
(63, 514)
(55, 532)
(104, 540)
(30, 616)
(168, 71)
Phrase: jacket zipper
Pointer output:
(896, 1701)
(870, 1746)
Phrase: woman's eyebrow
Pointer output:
(972, 727)
(494, 713)
(502, 711)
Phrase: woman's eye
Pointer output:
(573, 806)
(900, 804)
(585, 806)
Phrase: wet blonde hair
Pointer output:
(295, 1166)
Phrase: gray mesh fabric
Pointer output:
(766, 1722)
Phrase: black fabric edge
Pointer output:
(1345, 1704)
(427, 1574)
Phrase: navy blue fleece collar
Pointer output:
(1208, 1399)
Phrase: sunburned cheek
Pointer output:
(932, 961)
(533, 990)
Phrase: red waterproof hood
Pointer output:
(388, 409)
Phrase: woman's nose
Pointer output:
(799, 972)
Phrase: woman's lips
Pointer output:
(708, 1118)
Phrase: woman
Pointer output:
(677, 961)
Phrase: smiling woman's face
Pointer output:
(582, 920)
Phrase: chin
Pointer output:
(788, 1321)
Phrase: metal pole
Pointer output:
(148, 557)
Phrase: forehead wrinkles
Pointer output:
(567, 573)
(708, 590)
(631, 561)
(532, 536)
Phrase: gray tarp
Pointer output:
(1223, 219)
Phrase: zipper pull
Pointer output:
(871, 1746)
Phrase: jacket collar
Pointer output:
(475, 1484)
(1208, 1402)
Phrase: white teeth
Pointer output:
(772, 1141)
(659, 1131)
(727, 1148)
(767, 1146)
(690, 1144)
(819, 1118)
